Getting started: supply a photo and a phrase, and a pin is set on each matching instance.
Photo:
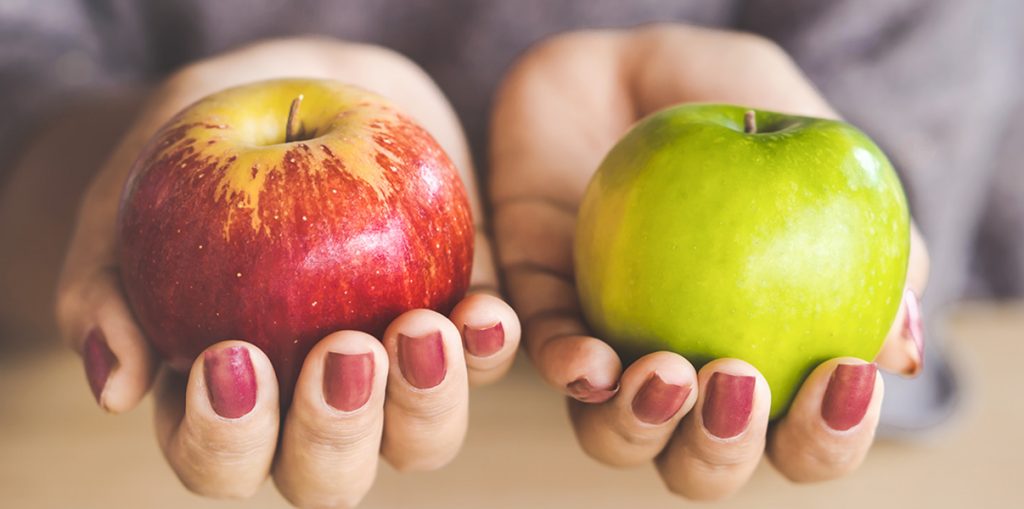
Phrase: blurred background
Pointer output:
(936, 83)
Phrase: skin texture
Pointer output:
(227, 231)
(318, 455)
(560, 109)
(785, 247)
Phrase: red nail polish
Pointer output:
(727, 404)
(848, 395)
(230, 381)
(99, 361)
(348, 380)
(912, 326)
(657, 401)
(582, 390)
(422, 359)
(484, 341)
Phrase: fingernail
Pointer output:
(727, 404)
(484, 341)
(657, 401)
(913, 328)
(848, 395)
(230, 381)
(99, 361)
(584, 391)
(348, 380)
(422, 359)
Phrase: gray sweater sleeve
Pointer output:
(50, 51)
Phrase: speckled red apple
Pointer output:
(231, 228)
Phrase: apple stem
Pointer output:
(289, 128)
(750, 122)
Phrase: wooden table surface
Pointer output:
(57, 450)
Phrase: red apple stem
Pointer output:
(290, 128)
(750, 122)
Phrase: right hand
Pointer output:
(560, 110)
(223, 442)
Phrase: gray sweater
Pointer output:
(936, 82)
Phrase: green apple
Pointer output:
(716, 231)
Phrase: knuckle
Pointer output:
(198, 479)
(557, 48)
(818, 462)
(758, 47)
(676, 487)
(430, 413)
(335, 440)
(712, 457)
(803, 457)
(424, 462)
(218, 449)
(299, 494)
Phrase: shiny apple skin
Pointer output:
(227, 232)
(784, 248)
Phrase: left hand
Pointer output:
(560, 110)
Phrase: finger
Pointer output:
(490, 336)
(831, 424)
(96, 321)
(535, 236)
(329, 450)
(715, 450)
(427, 403)
(903, 350)
(219, 430)
(634, 426)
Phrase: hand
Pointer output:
(559, 111)
(219, 425)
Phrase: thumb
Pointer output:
(903, 350)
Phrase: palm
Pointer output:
(560, 110)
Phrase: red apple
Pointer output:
(232, 228)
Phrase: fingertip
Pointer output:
(735, 399)
(659, 387)
(231, 379)
(331, 440)
(848, 394)
(343, 373)
(491, 332)
(221, 443)
(831, 424)
(582, 367)
(427, 349)
(119, 363)
(903, 349)
(426, 410)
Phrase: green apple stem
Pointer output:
(750, 122)
(290, 128)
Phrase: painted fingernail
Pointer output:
(913, 328)
(727, 404)
(582, 390)
(484, 341)
(230, 381)
(99, 361)
(348, 380)
(848, 395)
(657, 401)
(422, 359)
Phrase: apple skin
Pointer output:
(225, 231)
(784, 248)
